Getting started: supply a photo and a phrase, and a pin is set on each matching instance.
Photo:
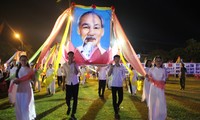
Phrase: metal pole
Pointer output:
(22, 44)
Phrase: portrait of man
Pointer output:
(91, 29)
(90, 35)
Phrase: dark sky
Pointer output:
(149, 25)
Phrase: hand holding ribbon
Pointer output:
(160, 84)
(22, 79)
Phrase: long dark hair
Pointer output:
(146, 64)
(20, 65)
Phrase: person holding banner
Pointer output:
(157, 100)
(71, 83)
(24, 104)
(117, 72)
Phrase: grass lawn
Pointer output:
(181, 104)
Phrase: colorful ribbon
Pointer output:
(22, 79)
(159, 84)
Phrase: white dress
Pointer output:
(82, 74)
(52, 85)
(38, 79)
(24, 105)
(146, 87)
(134, 82)
(157, 100)
(12, 94)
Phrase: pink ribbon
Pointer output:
(22, 79)
(159, 84)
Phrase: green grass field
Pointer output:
(181, 105)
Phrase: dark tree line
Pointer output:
(190, 53)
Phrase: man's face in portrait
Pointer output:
(91, 29)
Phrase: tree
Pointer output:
(193, 50)
(162, 53)
(174, 53)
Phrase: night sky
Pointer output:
(149, 25)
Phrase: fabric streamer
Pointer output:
(159, 84)
(24, 78)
